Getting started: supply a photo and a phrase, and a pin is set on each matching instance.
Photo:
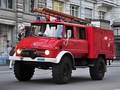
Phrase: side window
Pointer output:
(69, 29)
(81, 33)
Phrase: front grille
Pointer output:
(28, 53)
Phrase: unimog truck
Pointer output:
(63, 46)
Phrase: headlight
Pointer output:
(47, 52)
(19, 51)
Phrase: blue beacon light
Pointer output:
(38, 19)
(58, 18)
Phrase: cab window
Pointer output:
(69, 31)
(47, 30)
(80, 33)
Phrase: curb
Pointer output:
(113, 66)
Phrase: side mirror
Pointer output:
(69, 33)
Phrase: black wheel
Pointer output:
(23, 72)
(97, 72)
(62, 72)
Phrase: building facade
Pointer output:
(16, 12)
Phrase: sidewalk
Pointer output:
(115, 63)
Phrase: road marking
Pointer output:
(6, 71)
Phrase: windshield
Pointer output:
(46, 30)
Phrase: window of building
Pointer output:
(74, 10)
(32, 2)
(9, 4)
(58, 6)
(116, 32)
(81, 33)
(88, 13)
(28, 5)
(24, 5)
(42, 3)
(101, 15)
(0, 3)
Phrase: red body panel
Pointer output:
(40, 44)
(101, 41)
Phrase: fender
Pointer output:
(12, 57)
(53, 60)
(60, 55)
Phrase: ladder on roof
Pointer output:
(63, 16)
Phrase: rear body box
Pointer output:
(101, 41)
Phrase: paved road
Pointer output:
(42, 80)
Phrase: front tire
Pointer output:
(97, 72)
(22, 71)
(62, 72)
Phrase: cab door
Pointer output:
(69, 40)
(81, 41)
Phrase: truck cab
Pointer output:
(54, 37)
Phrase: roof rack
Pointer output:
(63, 16)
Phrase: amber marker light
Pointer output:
(56, 48)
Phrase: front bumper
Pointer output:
(37, 59)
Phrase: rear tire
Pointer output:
(62, 72)
(22, 71)
(97, 72)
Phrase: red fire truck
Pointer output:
(63, 46)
